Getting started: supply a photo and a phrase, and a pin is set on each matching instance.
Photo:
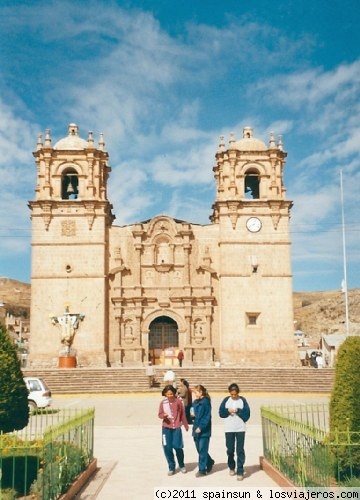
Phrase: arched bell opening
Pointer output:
(252, 185)
(163, 341)
(69, 185)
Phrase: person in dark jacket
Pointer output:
(201, 413)
(236, 411)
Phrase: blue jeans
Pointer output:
(172, 440)
(202, 447)
(238, 439)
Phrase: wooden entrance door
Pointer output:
(163, 336)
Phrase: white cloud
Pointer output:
(129, 192)
(16, 139)
(14, 225)
(18, 174)
(314, 85)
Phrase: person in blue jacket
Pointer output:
(201, 413)
(236, 411)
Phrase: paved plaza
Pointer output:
(130, 457)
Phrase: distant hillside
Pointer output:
(15, 296)
(324, 312)
(314, 312)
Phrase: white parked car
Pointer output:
(39, 393)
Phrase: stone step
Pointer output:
(118, 380)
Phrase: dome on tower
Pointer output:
(249, 142)
(72, 140)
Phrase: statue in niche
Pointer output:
(199, 332)
(129, 336)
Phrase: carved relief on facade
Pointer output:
(90, 213)
(276, 213)
(149, 278)
(177, 278)
(68, 228)
(275, 220)
(46, 214)
(233, 213)
(161, 226)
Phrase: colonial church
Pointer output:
(220, 292)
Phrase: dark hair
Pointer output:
(168, 388)
(234, 387)
(203, 391)
(185, 382)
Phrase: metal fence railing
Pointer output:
(298, 443)
(44, 458)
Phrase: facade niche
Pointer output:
(163, 253)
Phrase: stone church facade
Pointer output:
(221, 292)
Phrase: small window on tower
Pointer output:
(252, 319)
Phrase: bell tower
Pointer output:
(71, 217)
(255, 279)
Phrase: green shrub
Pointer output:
(8, 494)
(345, 409)
(14, 411)
(61, 463)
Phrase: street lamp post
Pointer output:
(344, 287)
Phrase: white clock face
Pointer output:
(253, 224)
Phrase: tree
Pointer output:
(345, 408)
(14, 410)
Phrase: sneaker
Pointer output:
(240, 477)
(171, 472)
(183, 470)
(232, 472)
(201, 473)
(210, 466)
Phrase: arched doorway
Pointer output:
(163, 340)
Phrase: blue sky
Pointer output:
(163, 79)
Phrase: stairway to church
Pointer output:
(125, 380)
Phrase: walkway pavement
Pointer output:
(129, 453)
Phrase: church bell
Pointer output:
(70, 189)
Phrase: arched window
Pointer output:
(69, 185)
(252, 185)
